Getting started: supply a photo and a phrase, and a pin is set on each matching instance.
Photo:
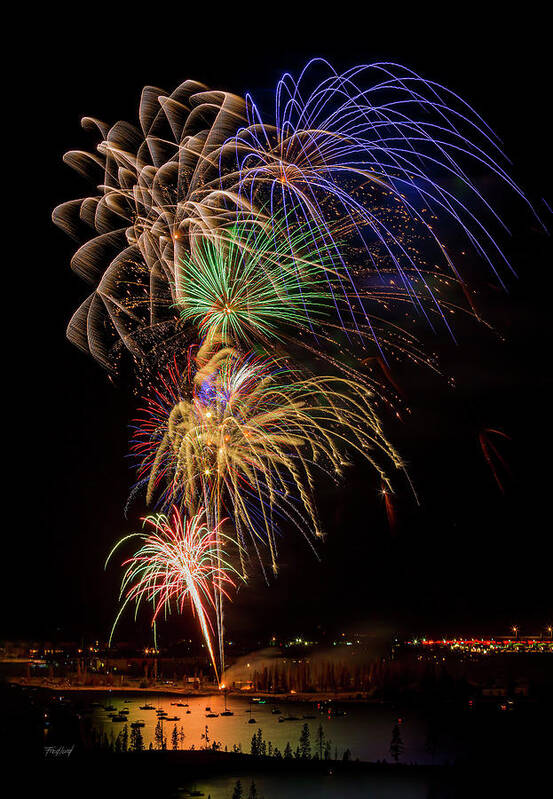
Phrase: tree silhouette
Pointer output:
(136, 740)
(205, 737)
(158, 735)
(396, 744)
(320, 740)
(261, 744)
(305, 742)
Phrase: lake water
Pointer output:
(359, 786)
(365, 729)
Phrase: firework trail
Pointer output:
(179, 560)
(246, 437)
(154, 200)
(353, 146)
(491, 454)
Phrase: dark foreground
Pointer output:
(506, 758)
(177, 774)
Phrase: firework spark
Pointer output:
(180, 560)
(246, 436)
(247, 282)
(347, 151)
(154, 199)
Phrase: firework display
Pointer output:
(246, 435)
(233, 251)
(250, 281)
(179, 560)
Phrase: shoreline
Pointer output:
(275, 699)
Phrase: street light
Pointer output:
(550, 631)
(515, 630)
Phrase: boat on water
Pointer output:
(188, 711)
(290, 718)
(276, 711)
(171, 718)
(147, 707)
(226, 711)
(110, 707)
(249, 710)
(137, 724)
(180, 704)
(208, 709)
(119, 717)
(212, 715)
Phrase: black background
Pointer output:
(469, 559)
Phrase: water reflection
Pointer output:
(312, 786)
(363, 729)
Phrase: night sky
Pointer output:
(469, 558)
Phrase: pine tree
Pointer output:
(125, 739)
(320, 740)
(137, 741)
(261, 744)
(158, 735)
(396, 744)
(253, 748)
(288, 751)
(305, 743)
(205, 737)
(175, 738)
(238, 792)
